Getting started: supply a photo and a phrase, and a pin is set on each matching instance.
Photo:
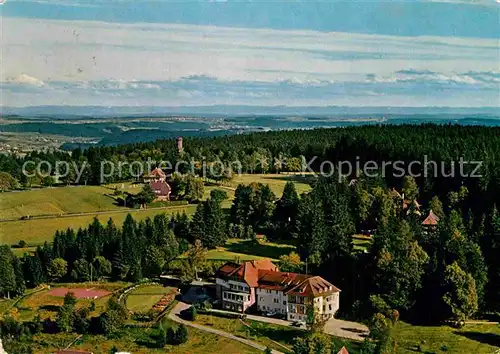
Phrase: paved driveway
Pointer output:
(346, 329)
(335, 327)
(175, 316)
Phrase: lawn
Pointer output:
(248, 250)
(61, 200)
(473, 338)
(145, 297)
(274, 336)
(275, 181)
(37, 231)
(89, 199)
(47, 305)
(138, 340)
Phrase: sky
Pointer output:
(237, 52)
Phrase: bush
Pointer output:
(22, 244)
(190, 313)
(181, 335)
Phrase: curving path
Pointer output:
(174, 316)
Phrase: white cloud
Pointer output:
(86, 51)
(24, 79)
(78, 62)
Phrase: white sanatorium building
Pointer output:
(260, 283)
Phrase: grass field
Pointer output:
(274, 336)
(477, 339)
(37, 231)
(47, 305)
(275, 181)
(137, 340)
(248, 250)
(94, 199)
(61, 200)
(145, 297)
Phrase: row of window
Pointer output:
(235, 297)
(276, 301)
(238, 287)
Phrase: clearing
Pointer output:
(62, 200)
(277, 337)
(247, 250)
(472, 338)
(144, 298)
(46, 303)
(98, 201)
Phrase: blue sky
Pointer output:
(296, 53)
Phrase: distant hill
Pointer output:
(66, 112)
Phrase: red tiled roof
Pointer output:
(343, 350)
(313, 286)
(227, 269)
(431, 219)
(158, 172)
(248, 271)
(161, 188)
(264, 274)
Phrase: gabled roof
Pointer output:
(343, 350)
(283, 281)
(314, 286)
(248, 271)
(227, 269)
(431, 219)
(160, 188)
(395, 194)
(264, 274)
(156, 173)
(407, 203)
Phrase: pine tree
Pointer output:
(7, 273)
(285, 213)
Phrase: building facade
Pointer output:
(261, 284)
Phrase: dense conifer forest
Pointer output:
(425, 274)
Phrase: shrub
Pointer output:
(181, 335)
(190, 313)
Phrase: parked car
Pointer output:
(270, 313)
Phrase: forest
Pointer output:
(447, 271)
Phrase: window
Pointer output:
(284, 302)
(330, 307)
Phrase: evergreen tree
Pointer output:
(7, 273)
(285, 213)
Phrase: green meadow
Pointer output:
(57, 205)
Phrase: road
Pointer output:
(174, 316)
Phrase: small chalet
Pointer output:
(343, 350)
(431, 221)
(162, 190)
(406, 204)
(157, 175)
